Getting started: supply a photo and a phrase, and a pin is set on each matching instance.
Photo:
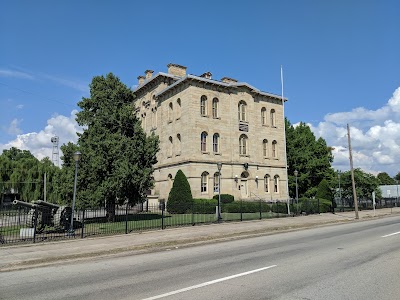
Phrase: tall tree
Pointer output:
(311, 157)
(385, 179)
(397, 177)
(117, 155)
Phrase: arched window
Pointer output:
(263, 116)
(243, 145)
(178, 144)
(215, 108)
(216, 182)
(265, 148)
(276, 184)
(170, 112)
(203, 106)
(203, 141)
(154, 117)
(266, 183)
(242, 111)
(171, 146)
(178, 108)
(274, 149)
(273, 121)
(170, 181)
(204, 182)
(216, 143)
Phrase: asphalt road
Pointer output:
(349, 261)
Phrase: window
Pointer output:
(170, 112)
(216, 182)
(215, 108)
(203, 106)
(263, 116)
(178, 109)
(274, 150)
(154, 118)
(265, 148)
(242, 111)
(276, 184)
(216, 143)
(266, 183)
(170, 147)
(243, 145)
(204, 182)
(204, 141)
(178, 144)
(273, 123)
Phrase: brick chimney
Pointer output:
(176, 70)
(149, 74)
(141, 79)
(228, 80)
(206, 75)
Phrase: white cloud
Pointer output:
(13, 128)
(39, 143)
(20, 106)
(16, 74)
(375, 137)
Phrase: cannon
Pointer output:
(46, 214)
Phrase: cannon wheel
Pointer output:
(31, 221)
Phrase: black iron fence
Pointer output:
(25, 225)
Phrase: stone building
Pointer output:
(201, 121)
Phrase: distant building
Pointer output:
(202, 121)
(390, 191)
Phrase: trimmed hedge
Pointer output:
(310, 206)
(180, 200)
(225, 198)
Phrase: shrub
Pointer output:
(279, 207)
(180, 199)
(204, 206)
(246, 207)
(324, 191)
(225, 198)
(310, 206)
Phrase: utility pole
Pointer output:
(352, 174)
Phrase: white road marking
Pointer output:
(208, 283)
(398, 232)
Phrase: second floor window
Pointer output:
(273, 121)
(203, 142)
(274, 150)
(265, 148)
(263, 116)
(243, 145)
(216, 143)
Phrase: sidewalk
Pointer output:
(34, 255)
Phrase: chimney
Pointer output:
(206, 75)
(149, 74)
(176, 70)
(228, 80)
(141, 79)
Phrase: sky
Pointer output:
(340, 63)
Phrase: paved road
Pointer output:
(348, 261)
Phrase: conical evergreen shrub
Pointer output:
(180, 199)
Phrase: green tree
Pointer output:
(324, 191)
(311, 157)
(366, 183)
(117, 155)
(397, 177)
(180, 198)
(385, 179)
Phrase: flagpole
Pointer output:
(284, 131)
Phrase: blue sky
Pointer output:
(340, 60)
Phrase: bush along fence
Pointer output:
(22, 224)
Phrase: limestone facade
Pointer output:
(201, 122)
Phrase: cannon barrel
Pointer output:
(48, 204)
(26, 204)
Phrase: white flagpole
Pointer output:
(284, 131)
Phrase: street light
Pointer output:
(340, 191)
(297, 192)
(219, 166)
(77, 158)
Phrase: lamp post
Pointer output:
(219, 166)
(77, 158)
(297, 192)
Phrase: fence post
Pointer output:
(162, 214)
(193, 214)
(260, 210)
(126, 218)
(241, 210)
(319, 211)
(35, 224)
(83, 223)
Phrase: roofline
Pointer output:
(154, 77)
(234, 85)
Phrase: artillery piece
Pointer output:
(46, 214)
